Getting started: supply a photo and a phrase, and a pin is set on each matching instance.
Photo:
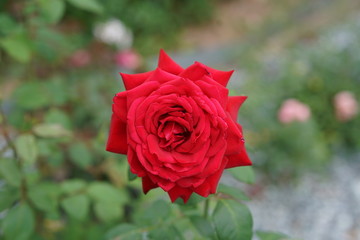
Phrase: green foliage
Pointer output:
(232, 220)
(26, 147)
(76, 206)
(10, 172)
(271, 236)
(243, 174)
(19, 223)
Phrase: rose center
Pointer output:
(172, 134)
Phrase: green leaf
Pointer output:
(204, 226)
(51, 130)
(169, 232)
(26, 147)
(106, 193)
(17, 46)
(157, 212)
(10, 172)
(80, 155)
(55, 115)
(124, 232)
(233, 192)
(76, 206)
(89, 5)
(271, 235)
(72, 186)
(52, 10)
(31, 95)
(7, 24)
(232, 220)
(131, 176)
(107, 212)
(19, 223)
(244, 174)
(193, 200)
(7, 197)
(45, 196)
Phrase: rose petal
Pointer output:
(221, 77)
(161, 76)
(119, 106)
(233, 105)
(134, 80)
(177, 192)
(167, 64)
(135, 165)
(241, 159)
(210, 185)
(194, 72)
(147, 184)
(235, 143)
(117, 141)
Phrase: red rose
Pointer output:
(178, 128)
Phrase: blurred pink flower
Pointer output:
(128, 59)
(80, 58)
(293, 110)
(346, 106)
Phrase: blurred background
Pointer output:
(297, 60)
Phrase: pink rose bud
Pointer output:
(293, 110)
(80, 58)
(128, 59)
(178, 127)
(346, 106)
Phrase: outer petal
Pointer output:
(167, 64)
(120, 105)
(161, 76)
(117, 141)
(211, 183)
(147, 184)
(177, 192)
(195, 72)
(221, 77)
(237, 160)
(134, 80)
(235, 143)
(233, 105)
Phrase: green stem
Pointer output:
(206, 208)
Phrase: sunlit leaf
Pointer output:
(26, 147)
(17, 46)
(51, 130)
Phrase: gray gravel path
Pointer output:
(316, 208)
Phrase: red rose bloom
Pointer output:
(178, 128)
